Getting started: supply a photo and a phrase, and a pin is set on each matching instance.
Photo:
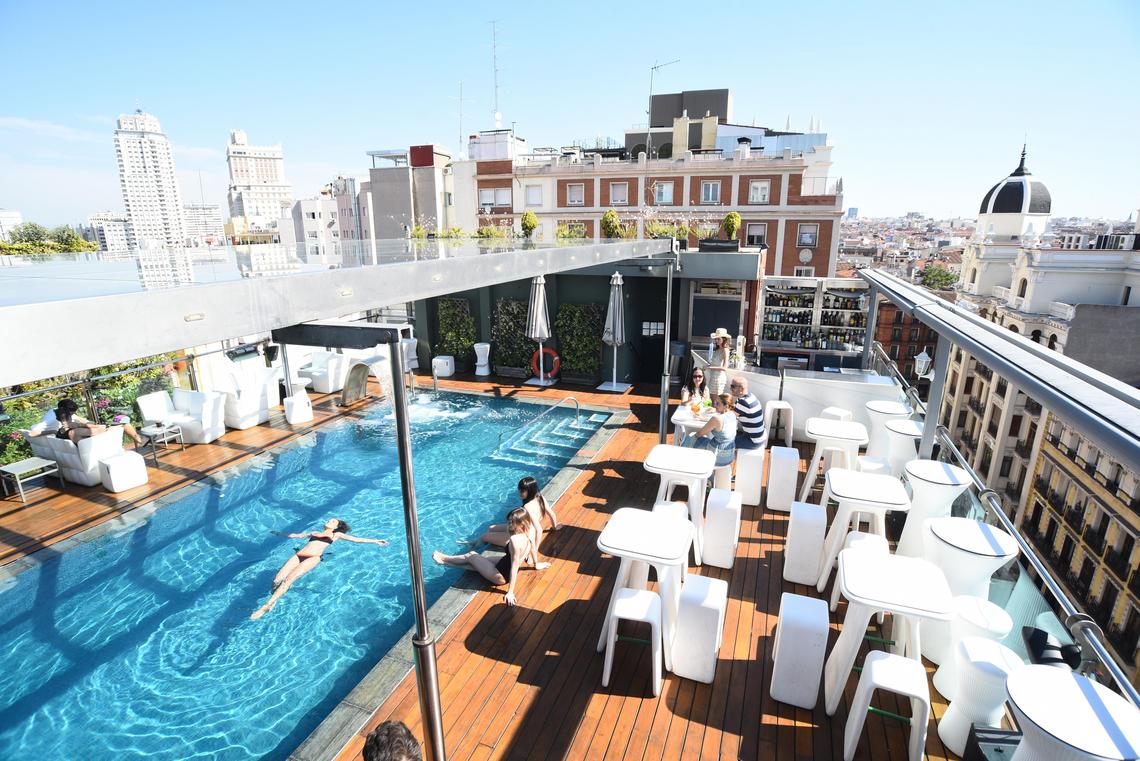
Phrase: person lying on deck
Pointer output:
(536, 508)
(308, 557)
(520, 549)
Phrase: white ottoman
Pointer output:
(801, 641)
(722, 528)
(750, 475)
(123, 471)
(443, 366)
(805, 542)
(973, 617)
(298, 408)
(783, 470)
(700, 620)
(772, 410)
(722, 477)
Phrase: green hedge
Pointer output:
(456, 329)
(510, 346)
(579, 328)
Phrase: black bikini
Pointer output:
(314, 539)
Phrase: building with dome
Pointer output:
(1079, 506)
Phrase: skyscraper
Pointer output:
(150, 185)
(258, 188)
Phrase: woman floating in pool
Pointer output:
(308, 557)
(520, 549)
(536, 509)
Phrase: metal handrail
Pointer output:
(1084, 630)
(547, 411)
(909, 390)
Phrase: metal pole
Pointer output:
(869, 328)
(934, 398)
(285, 368)
(423, 643)
(661, 432)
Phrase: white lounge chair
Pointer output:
(327, 370)
(249, 397)
(200, 414)
(78, 463)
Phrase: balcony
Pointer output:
(1123, 640)
(984, 371)
(1101, 610)
(1023, 448)
(971, 288)
(1017, 302)
(1041, 484)
(976, 407)
(1001, 388)
(1075, 517)
(1077, 584)
(1134, 584)
(1033, 407)
(1061, 310)
(1013, 491)
(1095, 538)
(1000, 292)
(1120, 562)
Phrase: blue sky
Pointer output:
(926, 103)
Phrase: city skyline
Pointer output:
(926, 121)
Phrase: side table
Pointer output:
(24, 470)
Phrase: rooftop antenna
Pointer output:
(788, 124)
(495, 71)
(460, 146)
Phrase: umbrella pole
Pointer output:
(615, 366)
(541, 376)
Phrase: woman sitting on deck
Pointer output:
(536, 509)
(69, 425)
(308, 557)
(719, 434)
(520, 549)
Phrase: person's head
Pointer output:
(65, 409)
(723, 402)
(528, 489)
(698, 378)
(336, 524)
(518, 521)
(738, 386)
(391, 741)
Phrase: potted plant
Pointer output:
(509, 344)
(456, 332)
(712, 244)
(611, 225)
(529, 223)
(579, 328)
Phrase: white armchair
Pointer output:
(200, 414)
(78, 463)
(328, 371)
(249, 398)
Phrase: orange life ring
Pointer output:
(556, 362)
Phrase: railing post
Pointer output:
(872, 324)
(663, 418)
(934, 398)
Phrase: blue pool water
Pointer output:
(139, 645)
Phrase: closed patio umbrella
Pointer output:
(614, 331)
(538, 325)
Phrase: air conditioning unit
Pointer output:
(244, 351)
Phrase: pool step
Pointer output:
(528, 462)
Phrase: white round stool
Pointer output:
(973, 617)
(983, 666)
(880, 411)
(934, 486)
(968, 551)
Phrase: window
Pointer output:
(447, 199)
(619, 193)
(896, 334)
(710, 191)
(807, 235)
(898, 317)
(804, 272)
(663, 193)
(910, 352)
(908, 368)
(961, 418)
(756, 234)
(652, 328)
(758, 191)
(534, 195)
(502, 196)
(895, 352)
(914, 334)
(576, 194)
(487, 197)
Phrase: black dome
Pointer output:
(1017, 194)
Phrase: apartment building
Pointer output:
(204, 224)
(352, 201)
(9, 218)
(904, 338)
(109, 230)
(149, 183)
(410, 188)
(312, 226)
(258, 190)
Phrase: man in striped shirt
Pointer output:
(749, 416)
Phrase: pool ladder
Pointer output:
(547, 411)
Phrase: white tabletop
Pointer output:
(158, 428)
(894, 583)
(838, 430)
(20, 467)
(883, 407)
(685, 418)
(1076, 711)
(936, 472)
(654, 538)
(974, 536)
(912, 428)
(667, 458)
(871, 488)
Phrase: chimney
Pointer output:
(743, 147)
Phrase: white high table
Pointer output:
(643, 538)
(826, 432)
(969, 552)
(934, 486)
(880, 411)
(856, 492)
(693, 467)
(1063, 715)
(911, 589)
(686, 423)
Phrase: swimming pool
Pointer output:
(139, 644)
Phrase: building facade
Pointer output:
(204, 224)
(151, 196)
(411, 188)
(258, 189)
(314, 227)
(109, 230)
(9, 218)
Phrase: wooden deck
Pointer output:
(525, 682)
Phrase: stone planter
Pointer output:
(580, 379)
(718, 246)
(512, 372)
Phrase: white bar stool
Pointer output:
(783, 468)
(722, 528)
(700, 623)
(771, 411)
(635, 605)
(973, 617)
(804, 544)
(897, 674)
(934, 486)
(750, 475)
(845, 435)
(678, 509)
(983, 666)
(722, 477)
(836, 413)
(879, 412)
(798, 651)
